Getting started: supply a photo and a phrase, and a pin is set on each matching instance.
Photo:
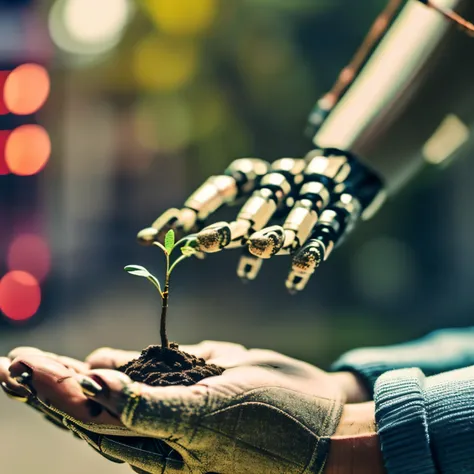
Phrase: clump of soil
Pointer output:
(160, 367)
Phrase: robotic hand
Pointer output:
(367, 147)
(321, 197)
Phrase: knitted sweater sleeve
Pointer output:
(438, 352)
(426, 424)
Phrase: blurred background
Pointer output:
(111, 111)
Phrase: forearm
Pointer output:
(355, 447)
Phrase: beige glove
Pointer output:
(266, 414)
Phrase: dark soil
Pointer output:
(163, 367)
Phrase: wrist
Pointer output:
(355, 447)
(352, 386)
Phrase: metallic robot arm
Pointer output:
(420, 73)
(367, 148)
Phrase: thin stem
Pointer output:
(164, 308)
(177, 261)
(162, 247)
(164, 304)
(165, 293)
(167, 255)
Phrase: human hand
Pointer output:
(20, 389)
(213, 425)
(82, 415)
(224, 354)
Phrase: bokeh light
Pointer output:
(27, 150)
(4, 134)
(90, 21)
(164, 64)
(88, 26)
(20, 295)
(183, 17)
(30, 253)
(3, 78)
(26, 89)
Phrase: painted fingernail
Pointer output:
(90, 387)
(103, 385)
(12, 394)
(24, 378)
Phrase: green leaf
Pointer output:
(188, 251)
(169, 240)
(156, 283)
(137, 270)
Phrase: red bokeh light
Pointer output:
(20, 295)
(3, 78)
(3, 142)
(30, 253)
(26, 89)
(27, 150)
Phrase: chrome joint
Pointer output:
(276, 180)
(258, 209)
(315, 187)
(216, 191)
(250, 171)
(293, 166)
(335, 168)
(301, 220)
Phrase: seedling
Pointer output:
(165, 365)
(188, 246)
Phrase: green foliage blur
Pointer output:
(219, 79)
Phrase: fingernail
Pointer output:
(12, 394)
(90, 387)
(24, 378)
(21, 368)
